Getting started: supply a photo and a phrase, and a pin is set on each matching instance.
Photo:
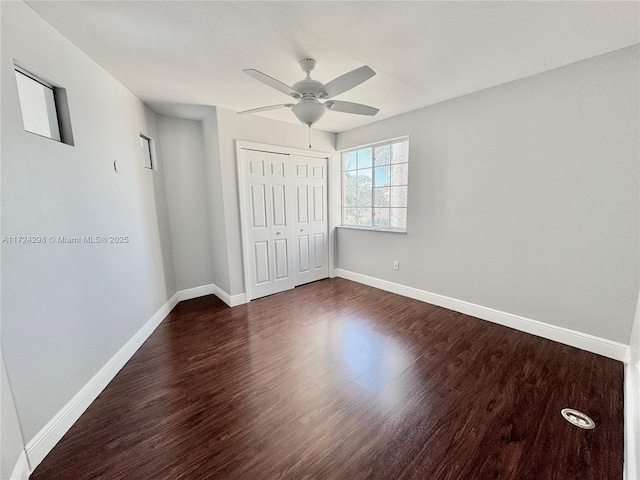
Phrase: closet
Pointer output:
(284, 217)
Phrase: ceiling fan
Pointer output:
(309, 92)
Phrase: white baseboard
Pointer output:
(44, 441)
(239, 299)
(212, 289)
(196, 292)
(21, 470)
(584, 341)
(231, 300)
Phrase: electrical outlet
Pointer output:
(396, 265)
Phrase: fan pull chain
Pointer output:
(309, 136)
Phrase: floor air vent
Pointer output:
(578, 419)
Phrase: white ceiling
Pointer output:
(179, 55)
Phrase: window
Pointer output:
(147, 157)
(374, 186)
(44, 107)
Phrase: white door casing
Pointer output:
(310, 246)
(268, 222)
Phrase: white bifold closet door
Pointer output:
(268, 226)
(310, 248)
(285, 220)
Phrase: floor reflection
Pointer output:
(373, 358)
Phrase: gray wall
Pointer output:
(215, 198)
(154, 201)
(523, 198)
(67, 309)
(232, 127)
(11, 441)
(186, 186)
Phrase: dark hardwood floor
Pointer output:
(336, 380)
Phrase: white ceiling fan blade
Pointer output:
(272, 82)
(264, 109)
(345, 82)
(350, 107)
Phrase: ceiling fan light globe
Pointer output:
(308, 112)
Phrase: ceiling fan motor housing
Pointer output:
(307, 86)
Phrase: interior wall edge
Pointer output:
(21, 470)
(632, 401)
(215, 199)
(13, 460)
(230, 300)
(573, 338)
(631, 411)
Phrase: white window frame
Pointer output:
(60, 107)
(371, 227)
(152, 152)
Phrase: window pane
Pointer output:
(400, 152)
(349, 161)
(381, 176)
(398, 196)
(383, 155)
(349, 216)
(364, 188)
(381, 217)
(364, 217)
(145, 145)
(364, 158)
(399, 218)
(349, 192)
(400, 174)
(374, 186)
(38, 107)
(382, 197)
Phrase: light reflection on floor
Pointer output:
(373, 357)
(331, 355)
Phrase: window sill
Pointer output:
(371, 229)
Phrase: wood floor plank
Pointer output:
(337, 380)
